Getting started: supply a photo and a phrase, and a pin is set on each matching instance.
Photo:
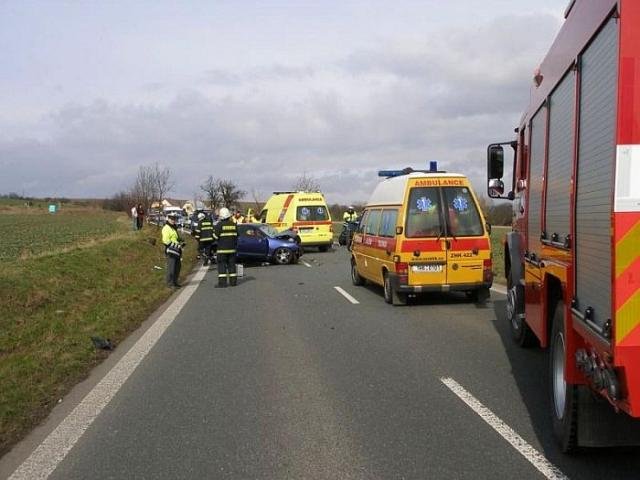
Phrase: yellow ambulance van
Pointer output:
(305, 212)
(422, 231)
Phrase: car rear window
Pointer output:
(312, 213)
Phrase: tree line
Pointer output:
(153, 183)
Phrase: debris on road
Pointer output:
(103, 343)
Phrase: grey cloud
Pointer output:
(262, 73)
(443, 100)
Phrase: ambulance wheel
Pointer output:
(356, 279)
(391, 295)
(564, 397)
(520, 331)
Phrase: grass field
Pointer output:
(36, 233)
(91, 276)
(497, 235)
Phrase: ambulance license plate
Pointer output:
(427, 268)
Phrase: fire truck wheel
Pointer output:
(564, 397)
(520, 331)
(356, 279)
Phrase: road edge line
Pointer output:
(534, 457)
(55, 447)
(342, 292)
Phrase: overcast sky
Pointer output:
(260, 92)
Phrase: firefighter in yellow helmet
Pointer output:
(173, 245)
(226, 233)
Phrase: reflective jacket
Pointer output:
(350, 217)
(226, 232)
(171, 240)
(204, 230)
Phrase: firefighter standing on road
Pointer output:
(173, 244)
(350, 215)
(226, 232)
(204, 235)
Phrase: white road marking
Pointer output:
(499, 289)
(346, 295)
(538, 460)
(306, 264)
(44, 459)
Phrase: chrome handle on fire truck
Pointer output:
(555, 241)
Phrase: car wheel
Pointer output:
(282, 256)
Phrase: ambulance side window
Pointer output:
(388, 226)
(363, 222)
(373, 222)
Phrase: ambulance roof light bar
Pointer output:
(433, 168)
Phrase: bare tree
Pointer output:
(210, 187)
(143, 190)
(229, 192)
(306, 183)
(162, 181)
(255, 194)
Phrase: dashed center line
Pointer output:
(538, 460)
(346, 295)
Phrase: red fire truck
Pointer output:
(572, 260)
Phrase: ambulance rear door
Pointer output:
(467, 243)
(424, 245)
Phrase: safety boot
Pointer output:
(233, 281)
(222, 282)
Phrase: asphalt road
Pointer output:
(284, 378)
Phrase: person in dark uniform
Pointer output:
(204, 234)
(226, 233)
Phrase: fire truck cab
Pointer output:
(572, 261)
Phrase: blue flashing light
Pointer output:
(390, 173)
(433, 166)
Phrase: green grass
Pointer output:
(36, 233)
(52, 304)
(497, 236)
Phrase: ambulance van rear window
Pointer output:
(312, 213)
(423, 213)
(463, 218)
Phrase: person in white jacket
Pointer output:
(134, 217)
